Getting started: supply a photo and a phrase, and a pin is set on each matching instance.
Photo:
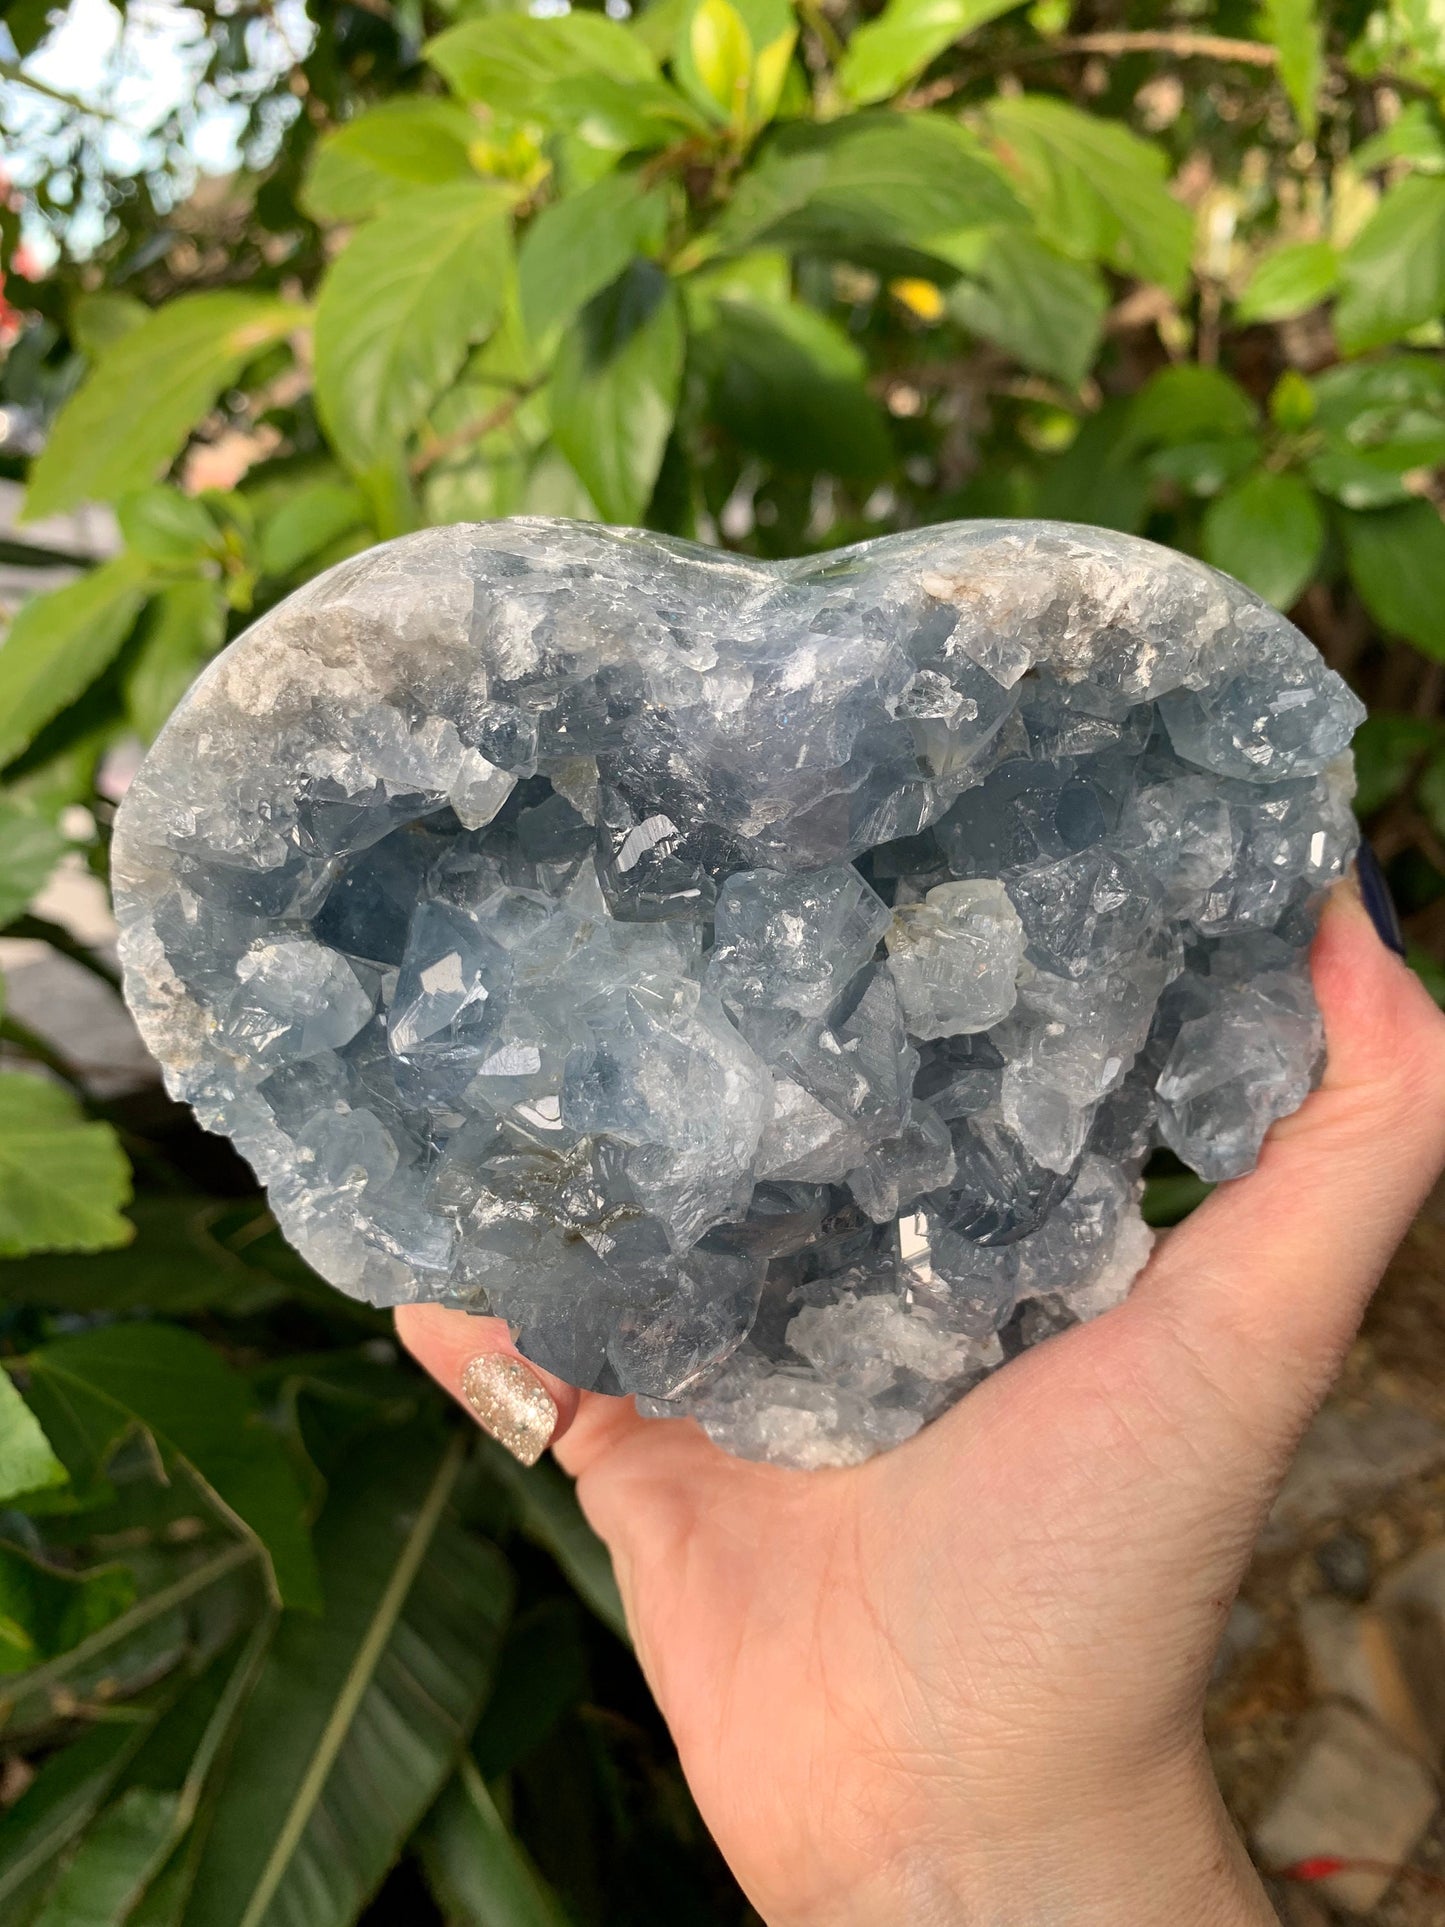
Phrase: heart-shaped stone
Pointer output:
(759, 984)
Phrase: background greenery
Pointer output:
(280, 1640)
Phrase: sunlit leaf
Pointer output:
(399, 309)
(27, 1462)
(1097, 189)
(392, 148)
(1041, 306)
(507, 59)
(1293, 27)
(1290, 281)
(59, 643)
(885, 53)
(62, 1180)
(132, 414)
(1393, 273)
(579, 244)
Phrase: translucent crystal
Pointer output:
(760, 985)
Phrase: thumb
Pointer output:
(1262, 1289)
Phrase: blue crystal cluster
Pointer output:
(761, 985)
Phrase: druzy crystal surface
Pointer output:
(761, 985)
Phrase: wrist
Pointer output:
(1153, 1856)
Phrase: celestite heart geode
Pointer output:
(759, 984)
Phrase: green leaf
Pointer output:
(618, 116)
(1393, 273)
(549, 1515)
(62, 1180)
(59, 643)
(884, 54)
(1414, 136)
(130, 417)
(90, 1389)
(868, 182)
(1289, 282)
(182, 628)
(579, 245)
(59, 1804)
(1096, 189)
(506, 60)
(30, 848)
(116, 1858)
(357, 1719)
(788, 384)
(479, 1873)
(1293, 27)
(97, 321)
(1381, 421)
(167, 528)
(45, 1610)
(542, 1675)
(27, 1463)
(1388, 750)
(392, 148)
(1430, 793)
(720, 63)
(1267, 532)
(615, 388)
(1206, 467)
(304, 524)
(1042, 307)
(1188, 403)
(1397, 562)
(399, 309)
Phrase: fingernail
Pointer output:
(510, 1403)
(1375, 894)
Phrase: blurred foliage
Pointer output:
(280, 1640)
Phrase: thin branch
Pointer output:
(475, 430)
(1183, 45)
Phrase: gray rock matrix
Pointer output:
(759, 984)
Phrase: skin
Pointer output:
(963, 1683)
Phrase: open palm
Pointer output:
(894, 1686)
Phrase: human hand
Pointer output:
(963, 1683)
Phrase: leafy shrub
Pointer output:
(280, 1639)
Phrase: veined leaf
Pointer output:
(357, 1719)
(618, 115)
(1289, 281)
(27, 1463)
(1096, 189)
(615, 387)
(30, 848)
(869, 181)
(90, 1389)
(721, 59)
(62, 1180)
(480, 1875)
(579, 244)
(1044, 307)
(391, 148)
(59, 643)
(1397, 562)
(399, 309)
(886, 53)
(1267, 532)
(1393, 273)
(130, 417)
(307, 522)
(507, 59)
